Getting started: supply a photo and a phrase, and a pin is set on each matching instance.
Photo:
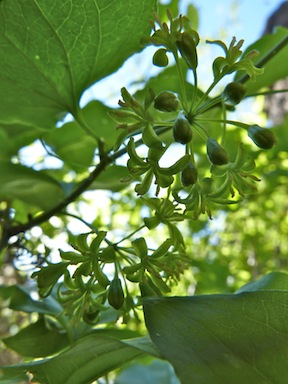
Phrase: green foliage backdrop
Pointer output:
(170, 211)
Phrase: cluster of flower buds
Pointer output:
(169, 111)
(177, 37)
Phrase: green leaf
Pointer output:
(15, 136)
(37, 340)
(222, 339)
(50, 52)
(48, 276)
(273, 281)
(274, 69)
(32, 187)
(22, 378)
(20, 300)
(90, 358)
(72, 144)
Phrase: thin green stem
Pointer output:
(206, 94)
(182, 82)
(200, 130)
(195, 90)
(209, 104)
(231, 122)
(131, 234)
(224, 123)
(94, 229)
(265, 93)
(191, 152)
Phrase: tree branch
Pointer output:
(269, 55)
(105, 160)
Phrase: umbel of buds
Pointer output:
(182, 132)
(262, 137)
(166, 102)
(216, 153)
(234, 92)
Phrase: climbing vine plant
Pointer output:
(186, 159)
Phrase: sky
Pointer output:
(244, 18)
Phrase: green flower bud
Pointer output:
(160, 58)
(234, 92)
(187, 48)
(262, 137)
(116, 294)
(189, 175)
(182, 131)
(216, 153)
(166, 102)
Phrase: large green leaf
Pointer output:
(20, 299)
(223, 339)
(90, 358)
(273, 281)
(37, 340)
(51, 51)
(274, 69)
(33, 187)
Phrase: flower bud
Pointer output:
(262, 137)
(189, 175)
(234, 92)
(187, 48)
(116, 294)
(160, 58)
(166, 102)
(216, 153)
(182, 132)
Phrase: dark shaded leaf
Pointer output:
(32, 187)
(20, 300)
(90, 358)
(37, 340)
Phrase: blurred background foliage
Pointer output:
(239, 245)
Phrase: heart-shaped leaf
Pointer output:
(51, 51)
